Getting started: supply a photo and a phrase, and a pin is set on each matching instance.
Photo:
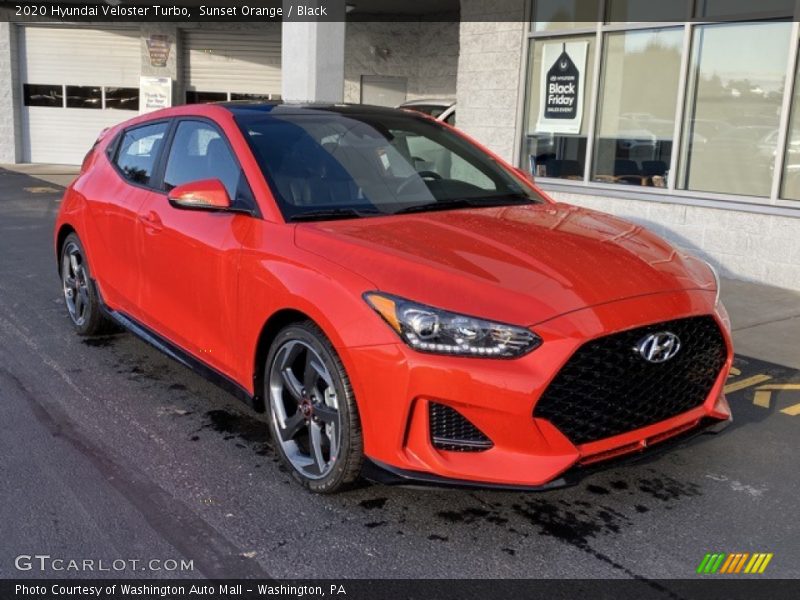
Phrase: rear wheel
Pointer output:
(80, 293)
(312, 411)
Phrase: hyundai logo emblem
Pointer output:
(658, 347)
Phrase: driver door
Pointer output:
(190, 258)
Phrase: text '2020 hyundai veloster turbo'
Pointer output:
(402, 303)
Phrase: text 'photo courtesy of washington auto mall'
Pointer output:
(400, 299)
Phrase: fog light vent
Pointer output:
(452, 431)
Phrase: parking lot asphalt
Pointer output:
(110, 450)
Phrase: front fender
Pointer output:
(275, 275)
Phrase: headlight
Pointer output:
(429, 329)
(716, 279)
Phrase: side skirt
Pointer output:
(187, 360)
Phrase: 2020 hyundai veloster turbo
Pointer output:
(401, 302)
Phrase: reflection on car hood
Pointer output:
(521, 264)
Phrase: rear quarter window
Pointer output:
(138, 151)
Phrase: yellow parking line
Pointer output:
(780, 386)
(792, 411)
(762, 399)
(746, 383)
(734, 372)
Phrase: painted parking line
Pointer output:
(792, 411)
(42, 190)
(763, 396)
(766, 385)
(746, 383)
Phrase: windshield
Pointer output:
(328, 165)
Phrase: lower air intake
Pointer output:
(450, 430)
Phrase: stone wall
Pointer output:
(426, 54)
(743, 245)
(491, 57)
(10, 97)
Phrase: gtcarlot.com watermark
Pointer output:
(45, 563)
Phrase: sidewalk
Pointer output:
(766, 321)
(55, 174)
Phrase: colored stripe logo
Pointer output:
(741, 562)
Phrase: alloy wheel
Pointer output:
(304, 409)
(75, 284)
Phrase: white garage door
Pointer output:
(76, 82)
(225, 65)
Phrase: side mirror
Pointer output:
(206, 194)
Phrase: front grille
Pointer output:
(607, 388)
(450, 430)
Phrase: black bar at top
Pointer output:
(582, 13)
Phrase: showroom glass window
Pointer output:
(692, 98)
(636, 114)
(630, 11)
(790, 182)
(733, 107)
(716, 9)
(560, 15)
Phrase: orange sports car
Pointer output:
(401, 302)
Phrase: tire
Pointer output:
(313, 417)
(80, 292)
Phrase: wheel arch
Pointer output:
(61, 236)
(272, 326)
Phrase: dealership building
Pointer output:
(685, 120)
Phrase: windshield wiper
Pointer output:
(465, 203)
(331, 214)
(431, 206)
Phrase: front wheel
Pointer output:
(80, 293)
(312, 411)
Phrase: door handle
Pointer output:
(151, 221)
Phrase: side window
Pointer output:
(138, 152)
(199, 152)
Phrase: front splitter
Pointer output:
(379, 472)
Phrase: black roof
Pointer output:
(288, 108)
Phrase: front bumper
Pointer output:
(387, 475)
(394, 386)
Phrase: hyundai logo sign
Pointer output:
(658, 347)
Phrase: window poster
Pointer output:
(561, 87)
(154, 93)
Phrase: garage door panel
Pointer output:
(85, 56)
(237, 62)
(61, 56)
(64, 135)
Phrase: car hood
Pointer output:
(520, 264)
